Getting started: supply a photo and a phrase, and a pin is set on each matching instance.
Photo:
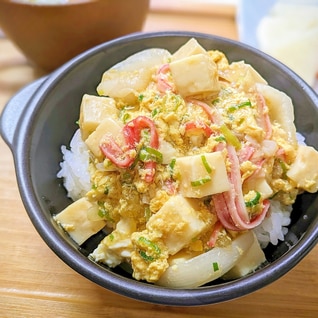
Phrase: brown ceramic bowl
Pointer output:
(50, 35)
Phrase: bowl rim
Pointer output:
(112, 281)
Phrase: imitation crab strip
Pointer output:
(122, 157)
(163, 84)
(216, 230)
(230, 205)
(265, 122)
(198, 126)
(207, 109)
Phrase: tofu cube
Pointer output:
(74, 220)
(178, 221)
(195, 75)
(258, 184)
(192, 170)
(108, 126)
(192, 47)
(94, 109)
(303, 171)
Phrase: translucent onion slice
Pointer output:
(206, 267)
(128, 78)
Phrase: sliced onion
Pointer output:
(127, 78)
(202, 269)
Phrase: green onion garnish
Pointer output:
(284, 168)
(254, 201)
(147, 213)
(146, 257)
(103, 213)
(172, 163)
(230, 137)
(215, 101)
(241, 105)
(220, 138)
(215, 266)
(206, 164)
(171, 166)
(150, 154)
(200, 182)
(154, 112)
(144, 241)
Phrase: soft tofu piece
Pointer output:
(252, 259)
(191, 168)
(94, 109)
(74, 220)
(195, 75)
(179, 221)
(116, 247)
(108, 126)
(192, 47)
(260, 185)
(303, 171)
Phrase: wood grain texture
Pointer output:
(34, 282)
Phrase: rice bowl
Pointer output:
(46, 193)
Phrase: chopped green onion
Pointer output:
(111, 236)
(284, 168)
(147, 213)
(154, 247)
(220, 138)
(200, 182)
(127, 177)
(141, 97)
(206, 164)
(154, 112)
(103, 213)
(241, 105)
(215, 266)
(144, 241)
(172, 163)
(230, 137)
(146, 257)
(254, 201)
(171, 166)
(177, 99)
(215, 101)
(125, 117)
(150, 154)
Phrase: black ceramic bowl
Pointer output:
(43, 115)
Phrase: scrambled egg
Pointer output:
(170, 139)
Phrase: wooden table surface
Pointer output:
(34, 282)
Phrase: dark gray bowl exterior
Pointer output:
(43, 115)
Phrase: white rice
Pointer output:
(274, 226)
(74, 168)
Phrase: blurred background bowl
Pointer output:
(51, 32)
